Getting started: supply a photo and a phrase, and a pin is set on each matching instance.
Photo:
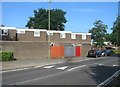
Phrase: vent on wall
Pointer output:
(62, 35)
(73, 36)
(83, 36)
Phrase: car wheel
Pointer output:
(105, 55)
(102, 55)
(96, 56)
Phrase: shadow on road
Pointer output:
(101, 73)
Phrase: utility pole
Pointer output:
(49, 27)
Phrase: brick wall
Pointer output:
(26, 50)
(30, 47)
(29, 36)
(78, 39)
(11, 35)
(87, 40)
(34, 50)
(85, 48)
(55, 38)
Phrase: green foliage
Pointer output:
(99, 32)
(115, 35)
(40, 19)
(107, 37)
(6, 56)
(116, 51)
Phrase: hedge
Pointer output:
(116, 51)
(6, 56)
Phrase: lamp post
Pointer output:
(49, 14)
(49, 27)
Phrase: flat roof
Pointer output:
(48, 31)
(7, 27)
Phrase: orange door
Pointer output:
(57, 51)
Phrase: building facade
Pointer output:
(24, 38)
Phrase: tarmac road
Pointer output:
(89, 72)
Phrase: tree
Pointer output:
(98, 32)
(40, 19)
(2, 25)
(107, 37)
(115, 35)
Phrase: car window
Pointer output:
(91, 50)
(97, 51)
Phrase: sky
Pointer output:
(80, 15)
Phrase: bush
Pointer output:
(116, 51)
(6, 56)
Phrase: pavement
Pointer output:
(33, 63)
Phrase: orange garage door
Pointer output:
(56, 52)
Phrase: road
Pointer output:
(89, 72)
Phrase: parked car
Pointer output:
(94, 53)
(106, 52)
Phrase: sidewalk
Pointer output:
(19, 64)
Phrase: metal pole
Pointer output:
(49, 16)
(49, 27)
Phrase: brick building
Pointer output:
(26, 37)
